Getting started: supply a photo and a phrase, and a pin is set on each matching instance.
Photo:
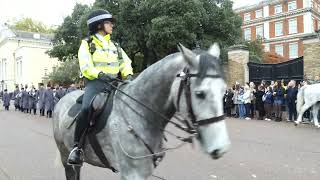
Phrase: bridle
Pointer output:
(191, 122)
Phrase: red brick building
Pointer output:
(281, 24)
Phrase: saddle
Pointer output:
(102, 103)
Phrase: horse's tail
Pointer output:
(300, 99)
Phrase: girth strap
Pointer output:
(98, 151)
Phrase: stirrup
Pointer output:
(80, 157)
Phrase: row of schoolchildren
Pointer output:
(30, 99)
(269, 100)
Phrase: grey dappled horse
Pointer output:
(308, 96)
(157, 87)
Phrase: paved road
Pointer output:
(260, 150)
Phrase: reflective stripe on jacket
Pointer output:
(104, 59)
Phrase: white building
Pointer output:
(23, 58)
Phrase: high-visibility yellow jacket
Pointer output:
(104, 59)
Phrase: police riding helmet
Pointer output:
(98, 17)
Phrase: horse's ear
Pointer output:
(188, 55)
(214, 50)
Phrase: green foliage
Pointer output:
(30, 25)
(148, 30)
(255, 50)
(66, 73)
(68, 36)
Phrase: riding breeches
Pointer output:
(92, 88)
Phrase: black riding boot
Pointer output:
(34, 111)
(76, 155)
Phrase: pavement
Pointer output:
(260, 150)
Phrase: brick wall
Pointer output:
(272, 29)
(237, 63)
(311, 59)
(300, 24)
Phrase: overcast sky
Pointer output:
(52, 12)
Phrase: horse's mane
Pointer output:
(164, 62)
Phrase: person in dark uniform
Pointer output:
(71, 88)
(60, 92)
(33, 100)
(21, 100)
(25, 100)
(6, 100)
(15, 97)
(40, 97)
(49, 100)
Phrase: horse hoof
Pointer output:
(296, 124)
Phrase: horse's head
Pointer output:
(200, 97)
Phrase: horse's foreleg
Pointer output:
(305, 107)
(133, 176)
(77, 170)
(70, 172)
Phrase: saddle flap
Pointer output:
(99, 102)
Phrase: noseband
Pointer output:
(185, 84)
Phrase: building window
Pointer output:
(247, 17)
(293, 50)
(278, 9)
(278, 29)
(293, 26)
(279, 49)
(292, 5)
(259, 13)
(259, 31)
(247, 34)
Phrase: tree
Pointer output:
(30, 25)
(69, 35)
(66, 73)
(256, 52)
(153, 28)
(148, 30)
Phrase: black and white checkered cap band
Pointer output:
(100, 17)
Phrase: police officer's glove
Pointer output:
(128, 79)
(105, 77)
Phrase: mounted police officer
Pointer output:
(101, 60)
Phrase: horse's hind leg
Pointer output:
(315, 111)
(305, 107)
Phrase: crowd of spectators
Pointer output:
(274, 100)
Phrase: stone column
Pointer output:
(238, 71)
(311, 55)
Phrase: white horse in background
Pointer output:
(308, 96)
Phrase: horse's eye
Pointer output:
(200, 94)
